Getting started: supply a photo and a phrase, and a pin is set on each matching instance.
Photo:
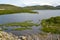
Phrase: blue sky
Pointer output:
(30, 2)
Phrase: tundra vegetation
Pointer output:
(21, 29)
(52, 26)
(22, 25)
(2, 12)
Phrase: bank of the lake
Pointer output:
(2, 12)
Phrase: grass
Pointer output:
(2, 12)
(22, 24)
(20, 29)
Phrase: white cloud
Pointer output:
(31, 2)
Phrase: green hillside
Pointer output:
(44, 7)
(10, 9)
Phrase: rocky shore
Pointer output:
(9, 36)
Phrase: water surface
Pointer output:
(20, 17)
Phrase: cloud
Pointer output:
(30, 2)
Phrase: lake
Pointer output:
(36, 18)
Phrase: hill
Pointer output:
(44, 7)
(10, 9)
(35, 7)
(58, 7)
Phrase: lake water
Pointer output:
(20, 17)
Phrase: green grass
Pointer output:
(51, 25)
(2, 12)
(20, 29)
(22, 24)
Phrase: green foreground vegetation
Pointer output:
(51, 25)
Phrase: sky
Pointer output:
(30, 2)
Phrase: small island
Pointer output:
(19, 26)
(22, 24)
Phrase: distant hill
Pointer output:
(9, 7)
(58, 7)
(44, 7)
(36, 7)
